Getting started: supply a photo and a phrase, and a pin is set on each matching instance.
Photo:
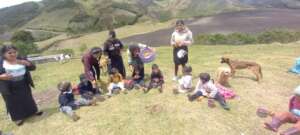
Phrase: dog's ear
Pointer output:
(222, 60)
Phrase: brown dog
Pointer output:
(236, 65)
(223, 74)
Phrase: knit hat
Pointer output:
(297, 91)
(64, 86)
(82, 78)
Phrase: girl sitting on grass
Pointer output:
(185, 82)
(157, 79)
(138, 78)
(116, 82)
(67, 100)
(291, 116)
(205, 87)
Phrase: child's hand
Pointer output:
(156, 80)
(94, 83)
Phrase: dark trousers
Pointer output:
(218, 98)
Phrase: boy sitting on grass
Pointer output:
(115, 82)
(185, 82)
(67, 100)
(205, 87)
(86, 89)
(157, 79)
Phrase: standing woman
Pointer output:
(113, 48)
(91, 65)
(15, 85)
(181, 38)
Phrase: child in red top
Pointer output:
(291, 116)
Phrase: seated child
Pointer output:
(86, 89)
(186, 81)
(138, 78)
(291, 116)
(157, 79)
(116, 82)
(206, 87)
(67, 100)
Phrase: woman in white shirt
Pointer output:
(181, 38)
(15, 85)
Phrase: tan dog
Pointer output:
(223, 74)
(236, 65)
(103, 62)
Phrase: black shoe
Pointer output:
(19, 122)
(40, 113)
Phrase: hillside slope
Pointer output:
(133, 114)
(95, 15)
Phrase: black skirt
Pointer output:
(19, 102)
(180, 61)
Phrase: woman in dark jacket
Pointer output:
(113, 48)
(91, 64)
(15, 85)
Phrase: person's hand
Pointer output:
(94, 83)
(23, 62)
(6, 77)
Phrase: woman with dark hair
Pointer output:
(90, 61)
(181, 38)
(15, 85)
(134, 60)
(112, 48)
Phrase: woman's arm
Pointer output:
(189, 39)
(29, 65)
(173, 42)
(87, 67)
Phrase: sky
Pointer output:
(8, 3)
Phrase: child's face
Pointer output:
(155, 70)
(136, 52)
(203, 81)
(136, 71)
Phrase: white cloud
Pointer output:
(8, 3)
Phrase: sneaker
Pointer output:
(19, 122)
(175, 78)
(93, 102)
(75, 117)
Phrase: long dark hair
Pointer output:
(6, 48)
(180, 22)
(112, 34)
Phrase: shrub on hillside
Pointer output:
(26, 48)
(22, 36)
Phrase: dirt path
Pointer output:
(243, 21)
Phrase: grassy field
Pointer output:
(130, 114)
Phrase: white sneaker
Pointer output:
(175, 78)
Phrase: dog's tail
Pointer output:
(260, 72)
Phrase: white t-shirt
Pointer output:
(186, 81)
(208, 89)
(16, 70)
(185, 36)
